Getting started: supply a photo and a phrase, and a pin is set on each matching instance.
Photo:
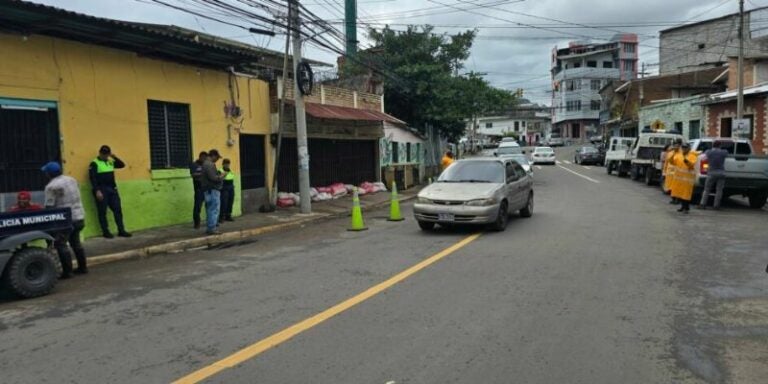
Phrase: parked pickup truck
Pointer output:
(745, 174)
(646, 155)
(617, 156)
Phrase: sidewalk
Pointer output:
(182, 237)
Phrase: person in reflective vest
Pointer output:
(102, 175)
(227, 191)
(685, 176)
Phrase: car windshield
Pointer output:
(509, 150)
(544, 150)
(589, 150)
(741, 148)
(520, 159)
(473, 172)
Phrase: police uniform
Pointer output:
(227, 195)
(102, 176)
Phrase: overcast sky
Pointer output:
(515, 37)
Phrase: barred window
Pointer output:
(170, 142)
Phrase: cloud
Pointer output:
(513, 49)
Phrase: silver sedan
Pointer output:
(476, 191)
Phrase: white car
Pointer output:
(505, 144)
(543, 155)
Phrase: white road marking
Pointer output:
(538, 167)
(579, 175)
(586, 167)
(567, 162)
(558, 161)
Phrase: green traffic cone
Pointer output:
(394, 206)
(357, 214)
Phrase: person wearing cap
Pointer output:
(196, 171)
(24, 203)
(685, 177)
(102, 175)
(64, 192)
(227, 191)
(211, 183)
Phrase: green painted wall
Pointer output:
(165, 200)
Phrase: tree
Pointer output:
(421, 81)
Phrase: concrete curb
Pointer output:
(206, 241)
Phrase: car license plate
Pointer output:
(445, 216)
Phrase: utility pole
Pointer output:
(350, 21)
(740, 82)
(301, 116)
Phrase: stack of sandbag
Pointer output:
(285, 199)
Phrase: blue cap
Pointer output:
(52, 167)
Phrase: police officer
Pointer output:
(227, 191)
(102, 175)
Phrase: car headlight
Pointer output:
(481, 202)
(423, 200)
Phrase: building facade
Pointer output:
(685, 115)
(525, 120)
(68, 90)
(402, 155)
(710, 43)
(720, 112)
(578, 73)
(623, 101)
(344, 129)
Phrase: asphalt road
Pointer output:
(606, 283)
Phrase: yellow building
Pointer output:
(157, 95)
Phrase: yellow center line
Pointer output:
(286, 334)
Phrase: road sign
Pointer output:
(741, 127)
(658, 125)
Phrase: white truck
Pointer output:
(646, 155)
(745, 174)
(618, 156)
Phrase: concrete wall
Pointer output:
(693, 47)
(102, 98)
(683, 111)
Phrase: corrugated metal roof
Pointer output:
(161, 41)
(324, 111)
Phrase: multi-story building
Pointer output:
(710, 43)
(578, 73)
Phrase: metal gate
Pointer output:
(29, 138)
(330, 161)
(252, 161)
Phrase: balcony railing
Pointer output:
(588, 73)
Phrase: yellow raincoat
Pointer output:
(446, 161)
(685, 176)
(668, 170)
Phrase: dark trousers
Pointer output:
(199, 200)
(111, 200)
(227, 201)
(685, 205)
(716, 181)
(65, 256)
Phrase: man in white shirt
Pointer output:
(63, 192)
